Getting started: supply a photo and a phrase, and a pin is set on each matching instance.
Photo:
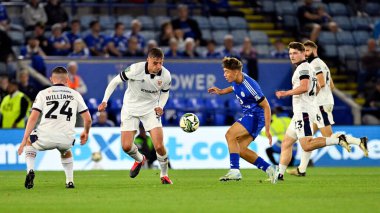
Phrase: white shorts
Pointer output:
(324, 116)
(131, 123)
(301, 125)
(41, 145)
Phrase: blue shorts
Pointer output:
(253, 124)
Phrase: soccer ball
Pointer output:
(189, 122)
(96, 156)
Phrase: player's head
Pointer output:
(310, 49)
(12, 86)
(232, 68)
(296, 52)
(59, 75)
(155, 60)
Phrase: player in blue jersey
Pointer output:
(256, 115)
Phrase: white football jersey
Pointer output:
(59, 106)
(304, 101)
(144, 89)
(324, 96)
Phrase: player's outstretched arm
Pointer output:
(268, 117)
(87, 125)
(302, 88)
(107, 94)
(33, 118)
(216, 90)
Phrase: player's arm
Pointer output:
(23, 111)
(87, 125)
(268, 117)
(163, 98)
(33, 118)
(110, 88)
(216, 90)
(321, 79)
(332, 86)
(302, 88)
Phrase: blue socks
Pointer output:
(261, 164)
(234, 160)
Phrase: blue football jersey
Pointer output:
(249, 95)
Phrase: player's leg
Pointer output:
(68, 167)
(30, 156)
(286, 152)
(154, 126)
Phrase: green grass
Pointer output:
(323, 190)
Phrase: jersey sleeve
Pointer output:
(82, 107)
(317, 69)
(129, 73)
(304, 73)
(167, 83)
(254, 88)
(38, 102)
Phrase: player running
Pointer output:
(148, 91)
(257, 114)
(324, 102)
(303, 95)
(59, 106)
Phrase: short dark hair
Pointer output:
(59, 70)
(75, 21)
(309, 43)
(232, 63)
(117, 24)
(92, 23)
(155, 52)
(296, 45)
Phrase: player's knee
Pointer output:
(229, 136)
(126, 147)
(317, 27)
(160, 148)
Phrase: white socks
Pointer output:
(164, 164)
(135, 154)
(332, 141)
(353, 140)
(30, 156)
(305, 157)
(282, 168)
(67, 164)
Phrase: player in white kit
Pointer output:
(324, 103)
(148, 91)
(58, 106)
(301, 126)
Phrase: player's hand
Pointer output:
(214, 90)
(280, 94)
(159, 111)
(21, 148)
(269, 136)
(83, 138)
(102, 106)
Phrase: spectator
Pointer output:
(117, 44)
(32, 48)
(173, 51)
(6, 52)
(280, 50)
(325, 19)
(80, 49)
(151, 44)
(166, 34)
(222, 8)
(145, 145)
(25, 86)
(60, 45)
(211, 50)
(133, 50)
(4, 81)
(33, 13)
(14, 107)
(56, 14)
(3, 13)
(38, 32)
(370, 65)
(96, 41)
(188, 26)
(249, 54)
(190, 49)
(74, 32)
(75, 82)
(102, 120)
(229, 50)
(372, 116)
(135, 32)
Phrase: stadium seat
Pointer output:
(290, 22)
(343, 22)
(206, 34)
(203, 22)
(218, 23)
(361, 37)
(148, 35)
(345, 38)
(17, 20)
(326, 38)
(146, 22)
(126, 20)
(239, 36)
(159, 20)
(372, 8)
(361, 50)
(218, 36)
(285, 8)
(216, 113)
(347, 52)
(268, 6)
(360, 23)
(85, 20)
(17, 37)
(331, 51)
(92, 105)
(258, 37)
(107, 22)
(116, 105)
(338, 9)
(262, 51)
(236, 23)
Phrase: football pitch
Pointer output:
(322, 190)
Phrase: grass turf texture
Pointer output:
(322, 190)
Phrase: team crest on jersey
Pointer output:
(159, 83)
(242, 94)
